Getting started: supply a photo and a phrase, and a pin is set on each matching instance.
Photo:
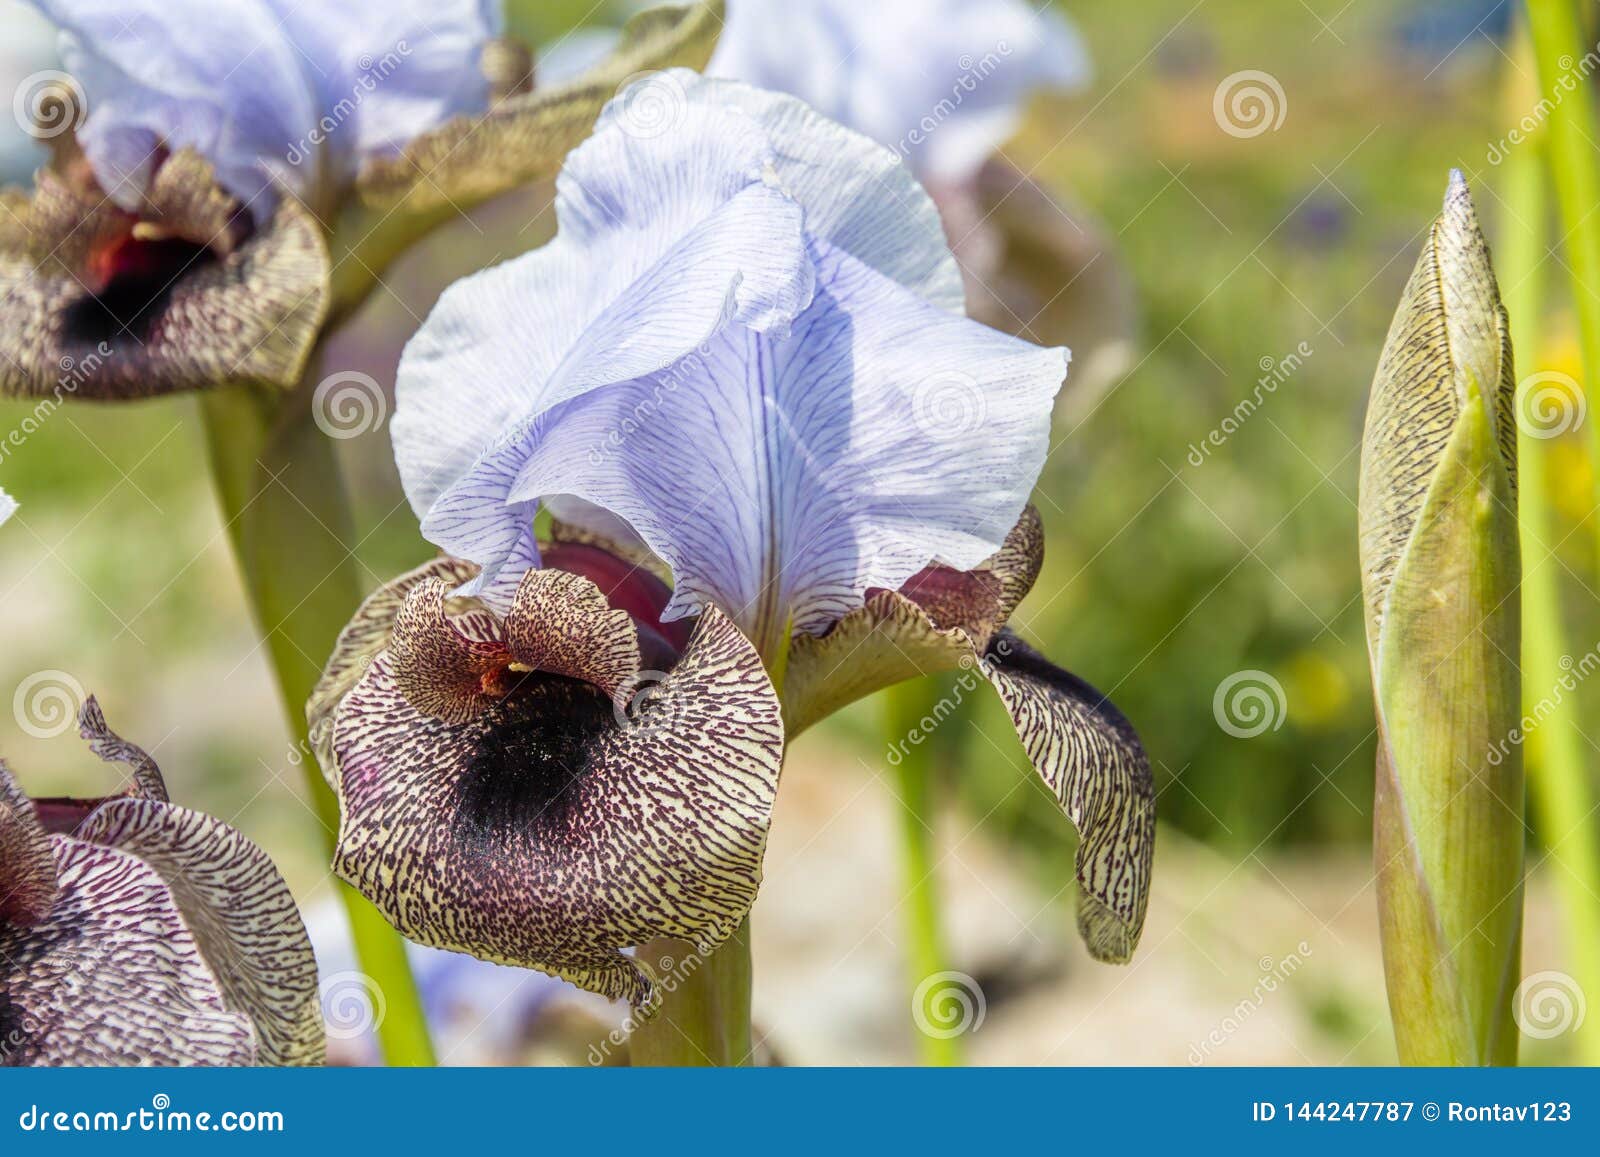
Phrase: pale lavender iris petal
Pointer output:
(266, 89)
(780, 469)
(782, 477)
(218, 76)
(942, 82)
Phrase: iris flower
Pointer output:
(135, 932)
(945, 84)
(728, 369)
(230, 175)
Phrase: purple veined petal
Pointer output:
(27, 863)
(221, 78)
(267, 90)
(665, 238)
(387, 71)
(942, 83)
(113, 975)
(781, 478)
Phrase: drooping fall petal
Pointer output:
(1440, 575)
(497, 799)
(92, 307)
(165, 937)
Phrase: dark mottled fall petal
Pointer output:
(940, 619)
(364, 636)
(552, 831)
(27, 865)
(442, 670)
(1089, 756)
(239, 915)
(525, 136)
(113, 975)
(562, 624)
(111, 747)
(97, 303)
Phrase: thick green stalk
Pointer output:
(1558, 782)
(282, 497)
(904, 706)
(1559, 44)
(703, 1017)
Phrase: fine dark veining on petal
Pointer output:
(27, 865)
(553, 831)
(1089, 756)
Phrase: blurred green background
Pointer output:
(1164, 576)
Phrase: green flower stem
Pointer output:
(1558, 783)
(1558, 43)
(904, 705)
(282, 497)
(703, 1017)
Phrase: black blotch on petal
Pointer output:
(141, 278)
(524, 777)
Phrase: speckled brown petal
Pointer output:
(442, 671)
(526, 136)
(553, 833)
(27, 865)
(936, 622)
(366, 634)
(113, 975)
(185, 308)
(1089, 756)
(561, 623)
(239, 913)
(111, 747)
